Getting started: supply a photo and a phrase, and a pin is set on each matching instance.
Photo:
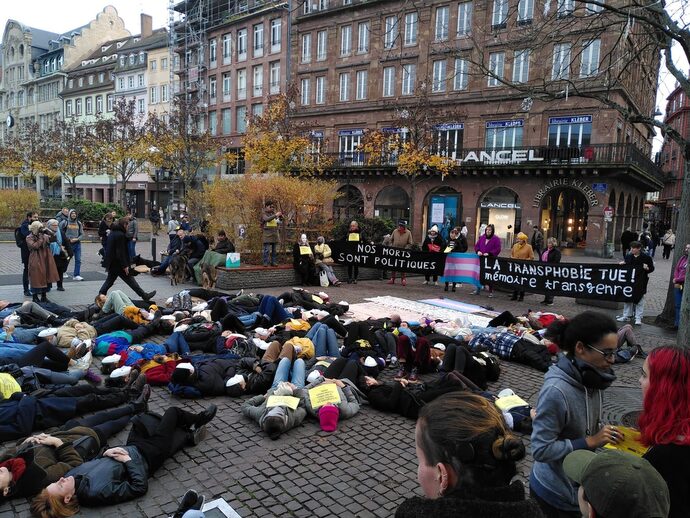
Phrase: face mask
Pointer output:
(592, 377)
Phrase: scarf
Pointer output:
(16, 466)
(55, 245)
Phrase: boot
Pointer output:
(392, 280)
(35, 298)
(44, 297)
(148, 296)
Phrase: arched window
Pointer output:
(349, 204)
(392, 202)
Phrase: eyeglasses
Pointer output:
(606, 354)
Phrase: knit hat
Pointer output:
(522, 236)
(261, 331)
(328, 417)
(182, 373)
(313, 376)
(434, 229)
(121, 372)
(49, 331)
(235, 380)
(618, 484)
(370, 362)
(402, 223)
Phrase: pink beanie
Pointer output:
(328, 417)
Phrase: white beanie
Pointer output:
(370, 362)
(121, 372)
(313, 376)
(49, 331)
(237, 378)
(113, 358)
(186, 366)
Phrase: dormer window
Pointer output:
(122, 61)
(141, 57)
(120, 43)
(104, 48)
(132, 57)
(81, 82)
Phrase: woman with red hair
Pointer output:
(665, 421)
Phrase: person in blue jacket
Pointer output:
(122, 473)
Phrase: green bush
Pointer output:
(373, 228)
(15, 204)
(87, 210)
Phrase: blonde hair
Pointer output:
(45, 505)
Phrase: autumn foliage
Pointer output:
(15, 204)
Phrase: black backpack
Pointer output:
(19, 238)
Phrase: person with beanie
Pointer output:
(42, 269)
(354, 235)
(401, 238)
(328, 416)
(323, 259)
(73, 231)
(303, 260)
(457, 243)
(488, 244)
(433, 243)
(521, 250)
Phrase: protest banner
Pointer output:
(588, 281)
(323, 394)
(388, 258)
(462, 268)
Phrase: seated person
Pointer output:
(174, 248)
(323, 260)
(194, 248)
(223, 244)
(122, 473)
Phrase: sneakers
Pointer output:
(491, 294)
(78, 278)
(638, 321)
(191, 501)
(425, 282)
(141, 404)
(394, 361)
(622, 318)
(414, 376)
(402, 374)
(641, 353)
(65, 275)
(435, 283)
(476, 292)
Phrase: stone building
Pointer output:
(671, 157)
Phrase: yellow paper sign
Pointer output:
(323, 363)
(323, 394)
(305, 250)
(288, 401)
(448, 249)
(353, 237)
(272, 223)
(508, 402)
(630, 442)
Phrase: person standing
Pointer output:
(116, 261)
(155, 220)
(456, 244)
(173, 224)
(537, 241)
(42, 269)
(73, 231)
(401, 238)
(627, 237)
(637, 257)
(679, 274)
(24, 249)
(354, 235)
(132, 235)
(654, 240)
(60, 249)
(488, 244)
(435, 244)
(551, 255)
(104, 230)
(62, 216)
(270, 221)
(521, 250)
(668, 242)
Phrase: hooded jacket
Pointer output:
(72, 228)
(255, 408)
(567, 413)
(349, 399)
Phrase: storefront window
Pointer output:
(504, 134)
(349, 205)
(392, 202)
(570, 131)
(500, 206)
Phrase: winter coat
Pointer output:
(680, 270)
(430, 242)
(213, 374)
(457, 245)
(269, 224)
(476, 502)
(491, 246)
(627, 237)
(133, 229)
(393, 397)
(567, 412)
(22, 414)
(103, 228)
(116, 255)
(323, 253)
(105, 481)
(24, 230)
(640, 260)
(194, 247)
(522, 252)
(42, 269)
(72, 228)
(401, 239)
(669, 239)
(552, 256)
(46, 464)
(257, 382)
(68, 331)
(255, 408)
(224, 247)
(671, 461)
(349, 399)
(537, 241)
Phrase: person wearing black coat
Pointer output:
(627, 237)
(116, 261)
(257, 377)
(551, 255)
(122, 473)
(435, 244)
(456, 244)
(207, 376)
(639, 259)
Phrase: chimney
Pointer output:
(146, 26)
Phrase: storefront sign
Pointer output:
(566, 182)
(450, 126)
(317, 134)
(351, 132)
(505, 156)
(587, 281)
(388, 258)
(578, 119)
(499, 205)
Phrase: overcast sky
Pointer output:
(63, 15)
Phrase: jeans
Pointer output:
(116, 302)
(50, 377)
(44, 355)
(678, 297)
(176, 343)
(274, 256)
(34, 310)
(26, 335)
(324, 339)
(295, 370)
(164, 264)
(637, 309)
(76, 248)
(131, 248)
(455, 358)
(270, 306)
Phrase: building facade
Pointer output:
(519, 161)
(671, 158)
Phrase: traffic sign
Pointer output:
(608, 213)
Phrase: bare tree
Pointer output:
(68, 151)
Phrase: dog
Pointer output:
(208, 276)
(178, 269)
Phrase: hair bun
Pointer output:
(508, 447)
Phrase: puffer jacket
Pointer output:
(74, 329)
(306, 346)
(106, 481)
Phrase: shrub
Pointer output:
(373, 228)
(15, 204)
(88, 210)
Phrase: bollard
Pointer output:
(153, 248)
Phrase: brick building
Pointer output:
(672, 160)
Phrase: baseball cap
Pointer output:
(619, 484)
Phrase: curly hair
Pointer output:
(665, 417)
(467, 432)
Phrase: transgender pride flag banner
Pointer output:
(462, 268)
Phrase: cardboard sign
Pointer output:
(289, 401)
(630, 442)
(323, 394)
(305, 250)
(353, 237)
(508, 402)
(588, 281)
(388, 258)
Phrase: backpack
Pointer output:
(182, 301)
(19, 237)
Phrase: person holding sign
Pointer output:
(521, 250)
(354, 235)
(569, 408)
(433, 243)
(488, 244)
(665, 421)
(303, 260)
(282, 408)
(456, 244)
(401, 238)
(270, 220)
(637, 258)
(339, 393)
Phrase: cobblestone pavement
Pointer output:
(365, 469)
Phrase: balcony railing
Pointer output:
(540, 156)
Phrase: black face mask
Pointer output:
(592, 377)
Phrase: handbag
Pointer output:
(323, 279)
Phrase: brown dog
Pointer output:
(178, 269)
(208, 276)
